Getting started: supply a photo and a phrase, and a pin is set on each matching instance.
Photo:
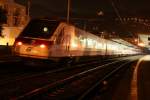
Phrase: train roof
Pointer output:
(123, 42)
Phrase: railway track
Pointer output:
(46, 71)
(73, 86)
(101, 85)
(20, 82)
(19, 86)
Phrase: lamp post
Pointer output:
(68, 11)
(28, 8)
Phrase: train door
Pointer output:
(63, 42)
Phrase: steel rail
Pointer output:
(63, 81)
(90, 90)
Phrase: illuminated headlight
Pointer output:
(19, 43)
(42, 46)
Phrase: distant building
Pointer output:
(16, 13)
(17, 18)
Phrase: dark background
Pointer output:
(86, 14)
(89, 8)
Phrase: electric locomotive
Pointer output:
(54, 40)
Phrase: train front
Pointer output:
(35, 40)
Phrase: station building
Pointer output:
(17, 18)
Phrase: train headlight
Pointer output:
(42, 46)
(19, 43)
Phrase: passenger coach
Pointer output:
(53, 40)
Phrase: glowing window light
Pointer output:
(90, 42)
(98, 46)
(83, 41)
(74, 45)
(114, 48)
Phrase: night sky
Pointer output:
(88, 8)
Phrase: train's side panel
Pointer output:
(62, 42)
(86, 44)
(83, 43)
(78, 43)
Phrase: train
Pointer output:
(58, 41)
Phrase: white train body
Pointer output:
(53, 40)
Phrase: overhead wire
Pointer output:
(116, 11)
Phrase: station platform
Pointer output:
(140, 85)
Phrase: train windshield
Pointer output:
(40, 29)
